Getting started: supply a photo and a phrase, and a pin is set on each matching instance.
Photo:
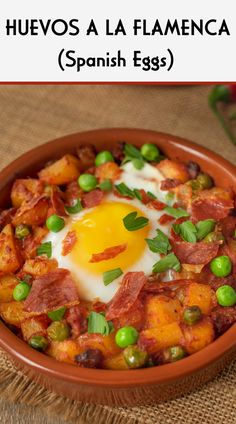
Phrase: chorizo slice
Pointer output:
(125, 297)
(51, 291)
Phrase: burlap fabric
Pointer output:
(31, 115)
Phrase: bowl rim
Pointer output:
(161, 374)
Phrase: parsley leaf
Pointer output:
(45, 249)
(188, 231)
(137, 194)
(111, 326)
(176, 228)
(124, 190)
(133, 154)
(159, 244)
(169, 198)
(168, 262)
(109, 276)
(133, 223)
(176, 213)
(150, 194)
(76, 208)
(205, 227)
(97, 323)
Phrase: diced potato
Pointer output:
(39, 266)
(32, 214)
(116, 363)
(13, 313)
(183, 275)
(108, 171)
(35, 325)
(184, 194)
(10, 259)
(172, 169)
(24, 190)
(191, 268)
(215, 193)
(7, 285)
(155, 339)
(161, 310)
(6, 217)
(62, 171)
(106, 344)
(198, 336)
(201, 295)
(64, 351)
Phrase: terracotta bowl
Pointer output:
(144, 386)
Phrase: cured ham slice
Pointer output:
(69, 242)
(57, 203)
(126, 296)
(215, 203)
(109, 253)
(51, 291)
(93, 198)
(195, 253)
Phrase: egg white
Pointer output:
(90, 285)
(148, 178)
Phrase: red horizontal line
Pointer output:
(113, 83)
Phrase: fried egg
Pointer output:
(102, 227)
(148, 178)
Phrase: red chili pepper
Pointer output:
(223, 94)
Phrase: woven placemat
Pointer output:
(214, 403)
(31, 115)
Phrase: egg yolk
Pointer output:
(103, 228)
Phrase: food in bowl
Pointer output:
(118, 259)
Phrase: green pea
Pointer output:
(135, 357)
(194, 184)
(55, 223)
(21, 291)
(150, 152)
(58, 331)
(126, 336)
(221, 266)
(205, 181)
(226, 296)
(192, 314)
(57, 314)
(138, 163)
(176, 353)
(103, 157)
(87, 182)
(106, 185)
(22, 231)
(213, 236)
(38, 343)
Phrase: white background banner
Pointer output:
(118, 41)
